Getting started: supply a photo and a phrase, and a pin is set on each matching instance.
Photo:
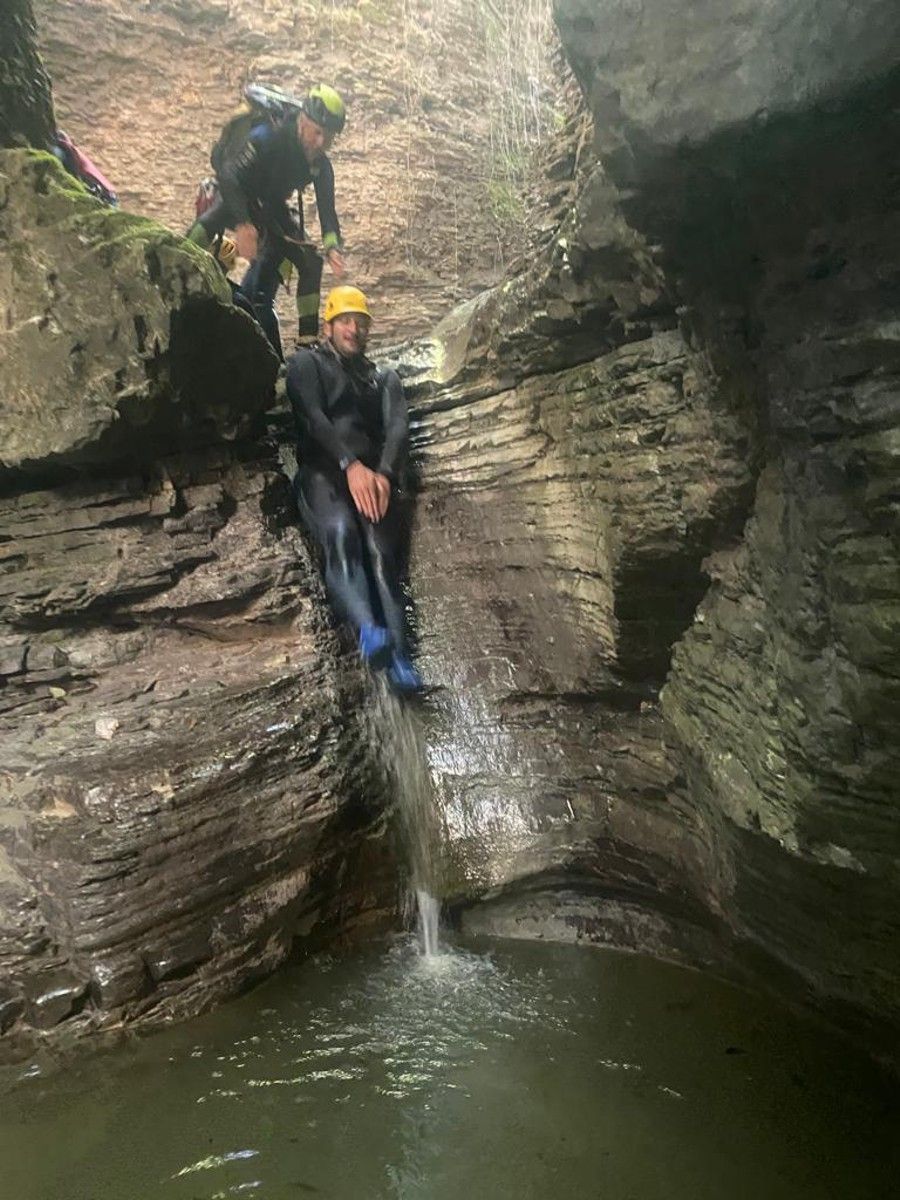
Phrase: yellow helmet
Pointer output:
(345, 299)
(226, 252)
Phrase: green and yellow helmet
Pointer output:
(325, 106)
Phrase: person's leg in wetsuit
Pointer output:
(386, 542)
(361, 558)
(309, 285)
(240, 300)
(382, 541)
(259, 287)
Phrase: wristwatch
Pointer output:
(345, 462)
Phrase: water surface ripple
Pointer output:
(531, 1072)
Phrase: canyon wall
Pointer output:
(186, 789)
(26, 110)
(656, 566)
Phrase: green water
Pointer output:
(521, 1071)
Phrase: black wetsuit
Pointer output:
(346, 410)
(254, 188)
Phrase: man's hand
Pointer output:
(367, 490)
(336, 261)
(247, 240)
(383, 487)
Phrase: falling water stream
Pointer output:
(397, 734)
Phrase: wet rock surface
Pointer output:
(185, 788)
(105, 320)
(654, 574)
(183, 781)
(707, 503)
(561, 530)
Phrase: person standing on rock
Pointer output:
(353, 438)
(260, 163)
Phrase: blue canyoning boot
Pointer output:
(403, 675)
(375, 646)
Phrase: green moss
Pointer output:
(97, 228)
(505, 202)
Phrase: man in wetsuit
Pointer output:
(353, 432)
(256, 178)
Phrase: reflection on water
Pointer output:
(535, 1072)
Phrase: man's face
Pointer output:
(348, 333)
(313, 138)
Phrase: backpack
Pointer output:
(262, 105)
(78, 164)
(207, 195)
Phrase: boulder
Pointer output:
(120, 338)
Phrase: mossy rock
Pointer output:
(120, 338)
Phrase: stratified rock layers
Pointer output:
(557, 557)
(734, 445)
(182, 786)
(764, 172)
(654, 563)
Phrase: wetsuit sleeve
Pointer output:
(395, 423)
(241, 178)
(305, 392)
(328, 220)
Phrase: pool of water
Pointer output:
(509, 1070)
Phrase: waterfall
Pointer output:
(428, 922)
(396, 731)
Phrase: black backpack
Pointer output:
(262, 105)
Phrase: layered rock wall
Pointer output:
(728, 441)
(654, 562)
(183, 781)
(578, 459)
(762, 166)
